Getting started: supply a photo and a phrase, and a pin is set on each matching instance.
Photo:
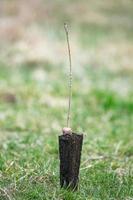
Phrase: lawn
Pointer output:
(33, 98)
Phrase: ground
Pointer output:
(33, 97)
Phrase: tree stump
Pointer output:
(70, 147)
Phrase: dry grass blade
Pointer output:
(5, 193)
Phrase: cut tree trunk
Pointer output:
(70, 147)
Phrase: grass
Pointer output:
(33, 105)
(29, 165)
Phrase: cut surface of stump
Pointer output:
(70, 147)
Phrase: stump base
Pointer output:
(70, 147)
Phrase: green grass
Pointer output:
(33, 103)
(29, 164)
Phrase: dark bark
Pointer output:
(70, 147)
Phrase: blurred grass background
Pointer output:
(33, 96)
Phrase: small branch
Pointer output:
(70, 76)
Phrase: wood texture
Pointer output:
(70, 147)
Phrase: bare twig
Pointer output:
(70, 76)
